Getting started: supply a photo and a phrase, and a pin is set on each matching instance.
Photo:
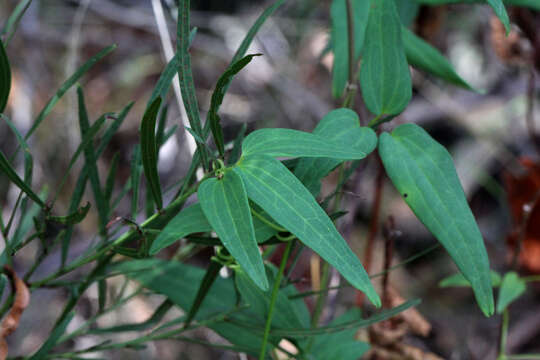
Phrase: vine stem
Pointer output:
(503, 336)
(273, 299)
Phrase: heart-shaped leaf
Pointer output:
(512, 287)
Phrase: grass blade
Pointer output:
(217, 98)
(66, 86)
(14, 19)
(5, 75)
(10, 172)
(149, 151)
(136, 171)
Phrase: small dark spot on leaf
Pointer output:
(405, 195)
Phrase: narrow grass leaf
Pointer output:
(276, 190)
(135, 179)
(91, 164)
(384, 75)
(217, 99)
(45, 350)
(212, 273)
(160, 132)
(340, 39)
(458, 280)
(423, 172)
(500, 11)
(339, 126)
(294, 143)
(149, 151)
(72, 218)
(224, 202)
(5, 75)
(13, 21)
(423, 56)
(111, 178)
(10, 172)
(112, 129)
(66, 86)
(187, 86)
(512, 287)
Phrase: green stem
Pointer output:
(532, 278)
(267, 222)
(504, 335)
(157, 220)
(275, 291)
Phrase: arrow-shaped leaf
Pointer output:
(423, 172)
(276, 190)
(149, 150)
(294, 143)
(224, 202)
(384, 75)
(423, 56)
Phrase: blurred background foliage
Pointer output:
(491, 136)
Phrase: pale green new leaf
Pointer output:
(384, 74)
(339, 126)
(423, 56)
(423, 172)
(512, 287)
(294, 143)
(276, 190)
(224, 202)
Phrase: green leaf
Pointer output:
(339, 126)
(348, 349)
(512, 287)
(340, 39)
(135, 179)
(192, 220)
(276, 190)
(187, 86)
(10, 172)
(91, 164)
(422, 55)
(149, 151)
(384, 75)
(217, 98)
(59, 329)
(14, 19)
(407, 10)
(212, 273)
(423, 172)
(285, 315)
(66, 86)
(458, 280)
(500, 11)
(294, 143)
(73, 218)
(5, 75)
(224, 202)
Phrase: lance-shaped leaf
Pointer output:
(149, 150)
(192, 220)
(339, 126)
(423, 56)
(512, 287)
(340, 39)
(217, 98)
(500, 11)
(423, 172)
(294, 143)
(224, 202)
(5, 75)
(278, 192)
(10, 172)
(384, 75)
